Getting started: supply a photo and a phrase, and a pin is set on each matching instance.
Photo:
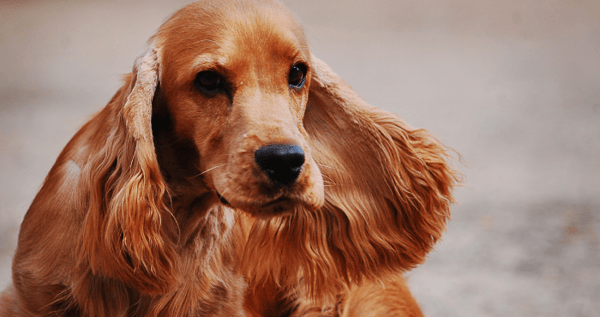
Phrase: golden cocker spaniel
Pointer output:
(233, 174)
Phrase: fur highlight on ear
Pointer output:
(129, 226)
(388, 191)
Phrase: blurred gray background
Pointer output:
(512, 85)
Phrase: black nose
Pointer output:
(282, 163)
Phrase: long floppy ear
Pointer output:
(128, 226)
(387, 197)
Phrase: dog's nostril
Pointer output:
(281, 162)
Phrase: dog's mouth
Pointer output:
(222, 199)
(278, 201)
(279, 206)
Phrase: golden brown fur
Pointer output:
(157, 206)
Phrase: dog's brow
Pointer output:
(206, 61)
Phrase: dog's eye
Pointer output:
(209, 82)
(297, 76)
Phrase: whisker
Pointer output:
(223, 193)
(227, 155)
(327, 166)
(327, 178)
(208, 170)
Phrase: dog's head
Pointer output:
(235, 78)
(235, 105)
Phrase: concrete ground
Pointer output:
(512, 85)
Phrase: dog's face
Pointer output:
(236, 85)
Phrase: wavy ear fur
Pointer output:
(387, 190)
(127, 227)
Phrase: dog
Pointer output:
(233, 174)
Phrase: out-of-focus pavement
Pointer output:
(512, 85)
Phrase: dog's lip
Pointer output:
(280, 200)
(270, 207)
(222, 199)
(277, 207)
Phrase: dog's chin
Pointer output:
(278, 207)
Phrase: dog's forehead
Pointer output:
(262, 42)
(242, 20)
(232, 34)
